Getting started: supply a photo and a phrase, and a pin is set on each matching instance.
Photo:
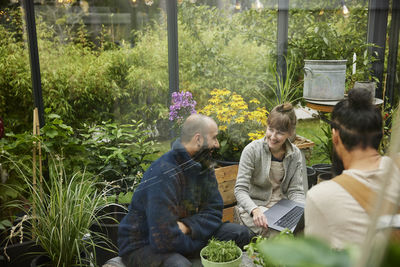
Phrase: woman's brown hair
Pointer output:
(283, 118)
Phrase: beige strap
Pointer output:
(364, 195)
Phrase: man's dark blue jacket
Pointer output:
(174, 188)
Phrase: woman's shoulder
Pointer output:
(255, 145)
(294, 150)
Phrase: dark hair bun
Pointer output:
(285, 107)
(360, 98)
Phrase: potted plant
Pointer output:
(61, 212)
(221, 253)
(110, 215)
(17, 247)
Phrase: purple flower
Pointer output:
(182, 105)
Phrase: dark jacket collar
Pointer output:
(183, 157)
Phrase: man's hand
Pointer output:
(185, 230)
(259, 218)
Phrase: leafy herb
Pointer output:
(221, 251)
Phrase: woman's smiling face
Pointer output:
(275, 138)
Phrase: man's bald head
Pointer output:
(195, 123)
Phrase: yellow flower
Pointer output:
(240, 120)
(255, 101)
(225, 92)
(215, 100)
(237, 120)
(257, 135)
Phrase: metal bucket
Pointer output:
(324, 80)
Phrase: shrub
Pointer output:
(15, 79)
(118, 153)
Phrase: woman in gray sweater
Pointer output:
(270, 169)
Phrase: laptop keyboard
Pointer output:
(291, 218)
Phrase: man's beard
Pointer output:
(337, 163)
(204, 156)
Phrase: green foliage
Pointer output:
(15, 80)
(286, 250)
(75, 82)
(84, 82)
(325, 146)
(283, 91)
(215, 51)
(5, 223)
(221, 251)
(56, 138)
(112, 151)
(146, 94)
(62, 209)
(326, 34)
(392, 254)
(253, 248)
(312, 129)
(303, 252)
(388, 115)
(118, 152)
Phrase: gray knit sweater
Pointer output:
(253, 186)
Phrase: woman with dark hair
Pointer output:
(333, 212)
(269, 169)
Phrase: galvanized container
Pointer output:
(324, 80)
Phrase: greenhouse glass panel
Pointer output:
(103, 60)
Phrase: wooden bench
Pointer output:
(226, 178)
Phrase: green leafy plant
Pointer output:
(5, 223)
(286, 250)
(283, 91)
(56, 137)
(221, 251)
(319, 33)
(304, 251)
(388, 115)
(253, 249)
(60, 213)
(119, 153)
(325, 146)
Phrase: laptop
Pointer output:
(286, 214)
